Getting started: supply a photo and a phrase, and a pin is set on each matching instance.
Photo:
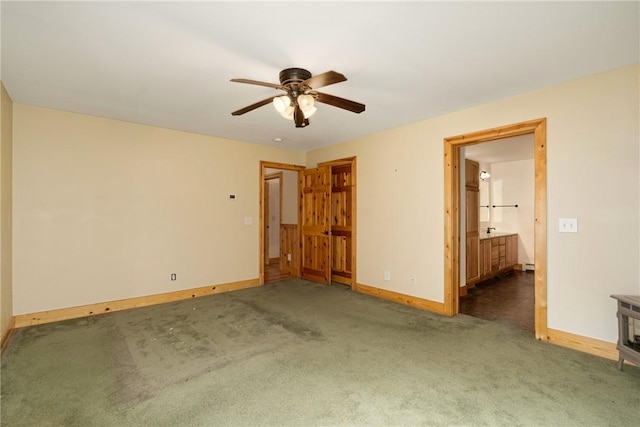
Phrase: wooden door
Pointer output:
(473, 235)
(342, 186)
(495, 258)
(472, 173)
(472, 197)
(315, 219)
(502, 253)
(485, 257)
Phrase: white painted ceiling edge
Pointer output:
(168, 64)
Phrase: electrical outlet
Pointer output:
(387, 275)
(288, 257)
(173, 276)
(412, 281)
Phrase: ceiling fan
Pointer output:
(300, 87)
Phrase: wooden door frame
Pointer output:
(452, 147)
(354, 209)
(270, 165)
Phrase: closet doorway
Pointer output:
(279, 229)
(273, 217)
(320, 245)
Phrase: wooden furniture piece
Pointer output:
(497, 255)
(628, 329)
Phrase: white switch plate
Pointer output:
(387, 275)
(568, 225)
(248, 220)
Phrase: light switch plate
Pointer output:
(568, 225)
(248, 220)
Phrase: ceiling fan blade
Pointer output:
(258, 83)
(252, 107)
(336, 101)
(324, 79)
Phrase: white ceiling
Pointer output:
(168, 64)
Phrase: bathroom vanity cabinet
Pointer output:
(498, 254)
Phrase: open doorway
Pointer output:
(452, 146)
(320, 244)
(497, 219)
(273, 199)
(279, 227)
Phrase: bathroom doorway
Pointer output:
(497, 216)
(452, 146)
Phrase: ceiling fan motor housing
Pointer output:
(293, 75)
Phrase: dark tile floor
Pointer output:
(509, 299)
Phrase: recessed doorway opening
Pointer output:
(497, 219)
(453, 241)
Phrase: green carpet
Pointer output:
(302, 354)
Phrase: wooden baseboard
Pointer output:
(6, 334)
(584, 344)
(49, 316)
(341, 279)
(463, 290)
(588, 345)
(423, 304)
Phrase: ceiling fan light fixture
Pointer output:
(288, 112)
(282, 103)
(306, 103)
(308, 112)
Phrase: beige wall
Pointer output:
(6, 166)
(513, 184)
(274, 217)
(290, 197)
(593, 163)
(106, 210)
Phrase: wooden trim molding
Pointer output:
(593, 346)
(6, 334)
(463, 291)
(50, 316)
(452, 147)
(423, 304)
